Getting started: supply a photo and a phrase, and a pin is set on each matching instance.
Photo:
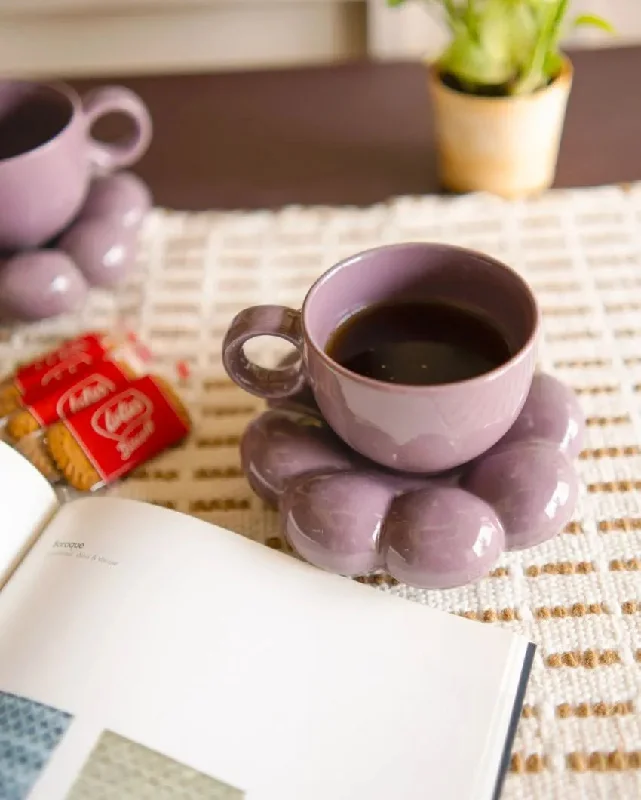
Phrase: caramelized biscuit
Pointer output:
(21, 424)
(33, 449)
(9, 400)
(70, 458)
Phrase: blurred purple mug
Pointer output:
(48, 156)
(411, 428)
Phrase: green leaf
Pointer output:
(524, 30)
(593, 21)
(535, 74)
(472, 64)
(510, 46)
(553, 64)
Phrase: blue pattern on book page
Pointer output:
(29, 733)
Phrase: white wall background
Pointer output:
(94, 37)
(414, 30)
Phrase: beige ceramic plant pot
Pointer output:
(504, 145)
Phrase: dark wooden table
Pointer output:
(352, 134)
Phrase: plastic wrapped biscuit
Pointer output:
(109, 439)
(33, 386)
(91, 386)
(60, 368)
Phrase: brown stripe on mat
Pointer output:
(185, 241)
(614, 308)
(387, 580)
(530, 763)
(583, 658)
(595, 390)
(627, 333)
(150, 474)
(210, 442)
(276, 543)
(604, 422)
(219, 331)
(556, 286)
(625, 565)
(599, 709)
(207, 473)
(622, 283)
(574, 363)
(227, 411)
(220, 504)
(181, 286)
(560, 568)
(176, 308)
(573, 527)
(218, 383)
(572, 336)
(583, 609)
(190, 265)
(584, 710)
(610, 452)
(614, 486)
(575, 610)
(615, 760)
(164, 504)
(565, 311)
(226, 307)
(302, 282)
(377, 580)
(491, 615)
(624, 524)
(174, 333)
(499, 572)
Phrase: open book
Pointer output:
(145, 654)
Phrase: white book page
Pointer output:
(246, 665)
(27, 503)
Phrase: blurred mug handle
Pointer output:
(107, 157)
(270, 384)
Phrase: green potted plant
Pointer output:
(500, 90)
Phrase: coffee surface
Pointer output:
(418, 344)
(28, 122)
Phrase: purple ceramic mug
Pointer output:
(411, 428)
(48, 156)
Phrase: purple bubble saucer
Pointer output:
(347, 515)
(97, 249)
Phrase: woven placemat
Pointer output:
(579, 596)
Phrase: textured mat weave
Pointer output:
(578, 597)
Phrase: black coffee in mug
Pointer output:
(419, 344)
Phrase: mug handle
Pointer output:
(107, 157)
(270, 384)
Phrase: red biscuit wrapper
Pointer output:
(58, 369)
(49, 370)
(109, 439)
(90, 386)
